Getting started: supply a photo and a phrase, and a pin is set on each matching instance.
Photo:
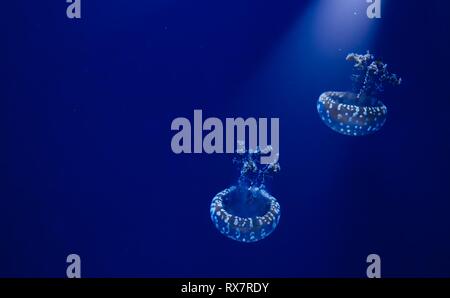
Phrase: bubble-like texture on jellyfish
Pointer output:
(350, 119)
(360, 112)
(246, 212)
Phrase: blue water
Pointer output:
(86, 165)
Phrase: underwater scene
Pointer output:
(225, 138)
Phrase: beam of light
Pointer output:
(313, 51)
(341, 24)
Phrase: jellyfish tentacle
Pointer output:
(370, 75)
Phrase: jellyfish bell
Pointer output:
(345, 113)
(245, 214)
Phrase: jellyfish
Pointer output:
(246, 212)
(360, 112)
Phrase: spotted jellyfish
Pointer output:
(360, 112)
(246, 212)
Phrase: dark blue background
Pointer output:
(86, 165)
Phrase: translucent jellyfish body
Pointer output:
(360, 112)
(342, 112)
(246, 212)
(246, 215)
